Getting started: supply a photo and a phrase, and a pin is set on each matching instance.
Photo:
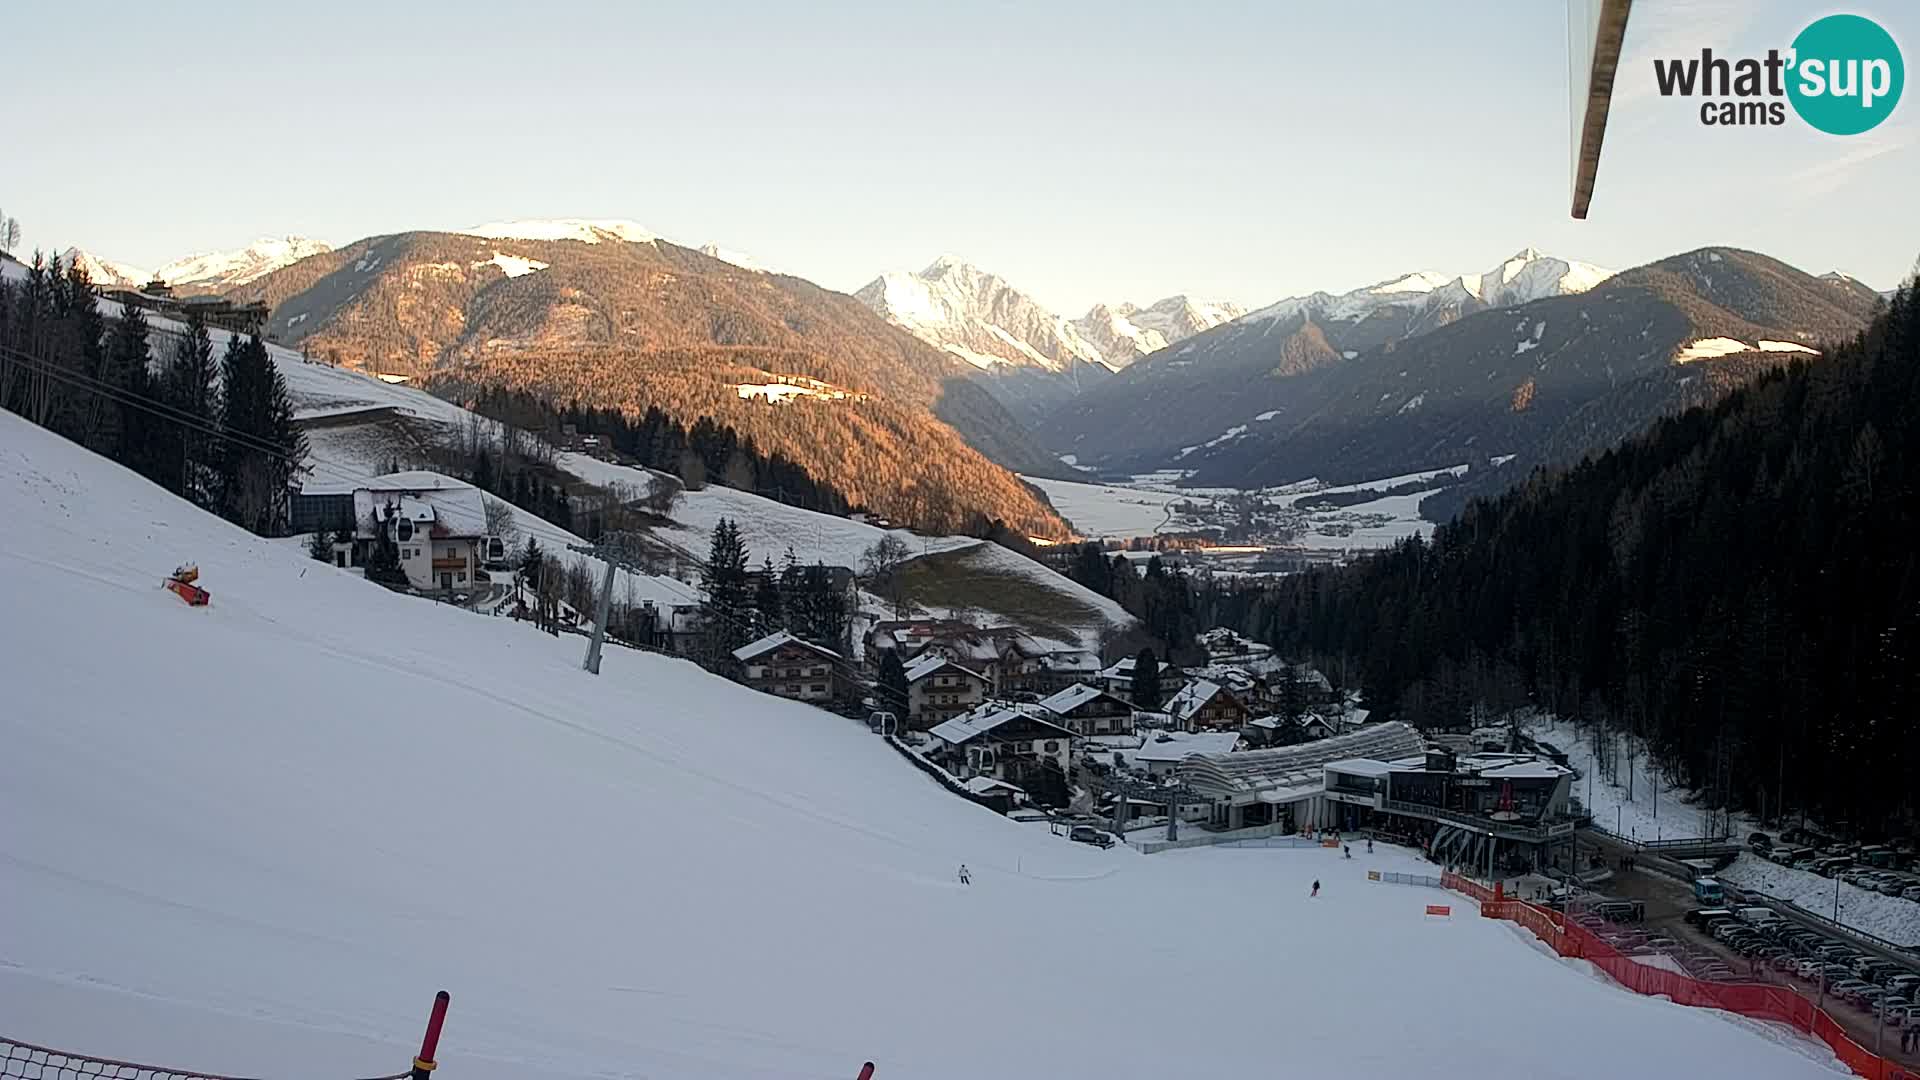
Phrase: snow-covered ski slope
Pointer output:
(255, 837)
(768, 527)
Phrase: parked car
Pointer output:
(1087, 834)
(1807, 969)
(1904, 982)
(1847, 989)
(1911, 892)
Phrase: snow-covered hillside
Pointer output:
(255, 837)
(1526, 275)
(767, 527)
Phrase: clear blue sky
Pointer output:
(1086, 151)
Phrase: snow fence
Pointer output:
(29, 1062)
(1759, 1000)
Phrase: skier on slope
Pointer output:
(1316, 890)
(965, 878)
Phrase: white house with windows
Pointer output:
(438, 526)
(785, 666)
(1017, 745)
(939, 689)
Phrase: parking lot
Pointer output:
(1789, 954)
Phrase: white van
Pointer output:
(1756, 916)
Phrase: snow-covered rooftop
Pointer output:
(1178, 745)
(980, 721)
(932, 662)
(1065, 701)
(1360, 767)
(1295, 768)
(773, 641)
(1193, 697)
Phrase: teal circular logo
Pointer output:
(1846, 74)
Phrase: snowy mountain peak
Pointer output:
(977, 316)
(104, 271)
(1126, 332)
(1526, 275)
(949, 263)
(224, 269)
(585, 230)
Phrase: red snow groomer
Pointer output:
(181, 581)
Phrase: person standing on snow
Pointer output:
(1369, 845)
(965, 878)
(1349, 850)
(1316, 890)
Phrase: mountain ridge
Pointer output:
(1526, 381)
(891, 422)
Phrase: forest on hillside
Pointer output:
(1739, 585)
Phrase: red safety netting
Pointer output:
(1760, 1000)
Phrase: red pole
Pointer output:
(866, 1071)
(425, 1064)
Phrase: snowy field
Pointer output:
(280, 822)
(1102, 510)
(1141, 508)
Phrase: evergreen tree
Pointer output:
(188, 387)
(795, 603)
(769, 608)
(321, 546)
(1146, 680)
(892, 686)
(728, 610)
(1291, 691)
(127, 430)
(826, 609)
(255, 464)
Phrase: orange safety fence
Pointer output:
(1759, 1000)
